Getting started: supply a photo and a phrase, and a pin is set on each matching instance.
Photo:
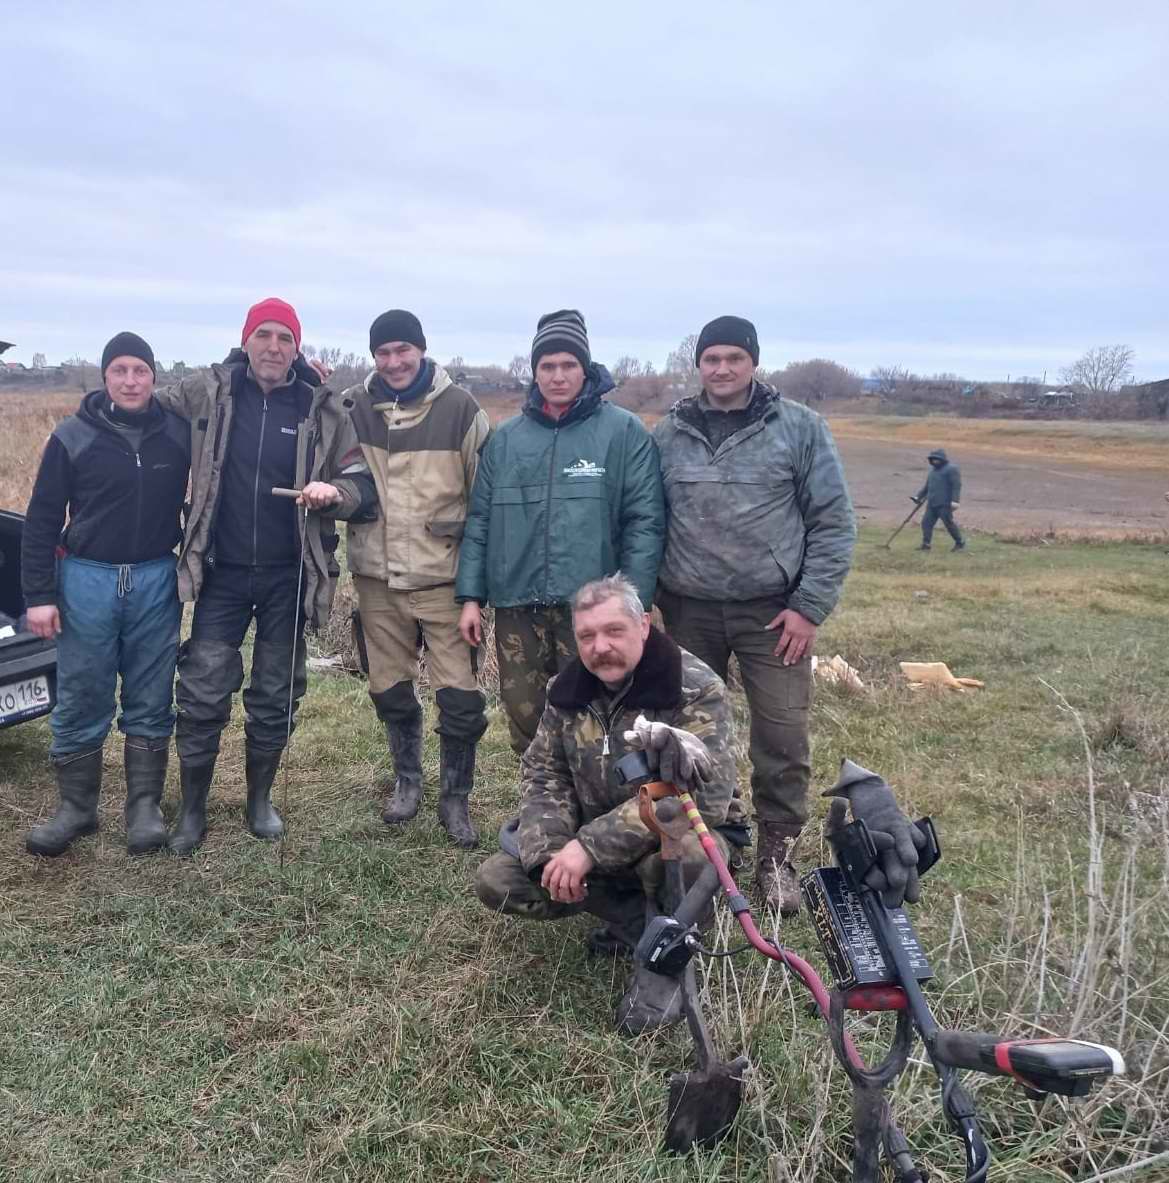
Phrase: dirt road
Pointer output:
(1001, 493)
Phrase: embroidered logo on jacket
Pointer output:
(583, 468)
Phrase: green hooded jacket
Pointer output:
(557, 503)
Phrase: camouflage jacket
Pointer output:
(765, 515)
(569, 788)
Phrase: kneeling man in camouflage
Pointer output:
(579, 844)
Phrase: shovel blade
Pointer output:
(702, 1105)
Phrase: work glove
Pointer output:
(675, 755)
(894, 875)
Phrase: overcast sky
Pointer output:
(976, 187)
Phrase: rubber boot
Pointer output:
(260, 767)
(457, 778)
(145, 761)
(651, 1001)
(405, 740)
(775, 876)
(191, 828)
(79, 786)
(624, 916)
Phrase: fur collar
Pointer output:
(656, 686)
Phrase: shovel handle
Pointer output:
(292, 494)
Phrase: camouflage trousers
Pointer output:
(779, 697)
(503, 886)
(531, 644)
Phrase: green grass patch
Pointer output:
(355, 1014)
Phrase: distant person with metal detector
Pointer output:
(421, 436)
(568, 490)
(579, 844)
(760, 539)
(941, 493)
(261, 420)
(98, 574)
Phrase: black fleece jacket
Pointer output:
(123, 506)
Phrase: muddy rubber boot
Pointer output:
(191, 827)
(260, 767)
(457, 780)
(405, 740)
(775, 877)
(79, 786)
(651, 1001)
(145, 761)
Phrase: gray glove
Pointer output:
(894, 875)
(675, 755)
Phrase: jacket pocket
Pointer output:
(447, 529)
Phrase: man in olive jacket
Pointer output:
(760, 539)
(568, 491)
(420, 435)
(259, 421)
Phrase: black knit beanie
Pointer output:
(561, 332)
(397, 325)
(127, 345)
(728, 330)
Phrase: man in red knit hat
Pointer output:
(259, 421)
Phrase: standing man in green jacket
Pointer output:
(420, 435)
(567, 491)
(760, 539)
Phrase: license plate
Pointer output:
(29, 697)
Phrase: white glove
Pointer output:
(677, 756)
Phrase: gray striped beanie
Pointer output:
(561, 332)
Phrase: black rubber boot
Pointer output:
(145, 761)
(79, 786)
(651, 1001)
(192, 824)
(624, 916)
(405, 740)
(457, 781)
(260, 767)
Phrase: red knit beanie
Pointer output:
(271, 309)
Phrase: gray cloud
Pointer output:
(972, 187)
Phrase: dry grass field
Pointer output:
(341, 1008)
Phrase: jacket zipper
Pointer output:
(138, 507)
(256, 486)
(548, 529)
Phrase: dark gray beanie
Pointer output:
(397, 325)
(561, 332)
(728, 330)
(127, 345)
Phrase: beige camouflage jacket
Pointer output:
(423, 456)
(569, 788)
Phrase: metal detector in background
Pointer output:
(879, 965)
(908, 518)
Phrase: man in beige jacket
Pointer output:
(421, 436)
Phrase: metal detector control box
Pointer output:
(848, 939)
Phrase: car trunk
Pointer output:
(19, 642)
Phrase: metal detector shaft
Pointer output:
(955, 1100)
(908, 518)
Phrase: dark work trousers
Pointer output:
(532, 645)
(779, 697)
(943, 514)
(211, 667)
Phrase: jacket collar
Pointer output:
(597, 384)
(763, 403)
(656, 684)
